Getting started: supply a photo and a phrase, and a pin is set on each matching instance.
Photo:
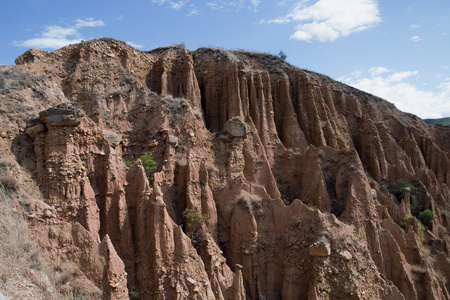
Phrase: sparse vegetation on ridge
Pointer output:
(15, 80)
(282, 55)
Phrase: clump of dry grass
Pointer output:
(15, 242)
(21, 264)
(7, 181)
(251, 202)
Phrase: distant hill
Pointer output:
(442, 121)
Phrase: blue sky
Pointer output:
(398, 50)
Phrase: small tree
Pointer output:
(282, 55)
(404, 223)
(195, 222)
(149, 164)
(398, 189)
(426, 217)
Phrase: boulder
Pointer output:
(64, 114)
(236, 128)
(113, 138)
(172, 140)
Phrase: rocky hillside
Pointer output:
(442, 121)
(271, 182)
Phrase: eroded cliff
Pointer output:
(271, 180)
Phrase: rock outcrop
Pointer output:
(271, 181)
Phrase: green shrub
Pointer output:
(282, 55)
(194, 225)
(129, 163)
(426, 217)
(148, 163)
(404, 223)
(398, 189)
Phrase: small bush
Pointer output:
(426, 217)
(129, 163)
(282, 55)
(149, 164)
(404, 223)
(8, 183)
(251, 202)
(195, 221)
(398, 189)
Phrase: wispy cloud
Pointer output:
(53, 37)
(89, 22)
(415, 38)
(255, 3)
(172, 4)
(378, 70)
(233, 4)
(193, 12)
(397, 87)
(328, 20)
(134, 45)
(415, 26)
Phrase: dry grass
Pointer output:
(23, 270)
(251, 202)
(15, 242)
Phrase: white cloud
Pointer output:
(255, 3)
(53, 37)
(46, 43)
(89, 22)
(415, 26)
(378, 70)
(232, 4)
(134, 45)
(193, 12)
(397, 88)
(58, 32)
(172, 4)
(415, 38)
(400, 76)
(327, 20)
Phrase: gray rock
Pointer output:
(113, 138)
(172, 140)
(236, 128)
(64, 114)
